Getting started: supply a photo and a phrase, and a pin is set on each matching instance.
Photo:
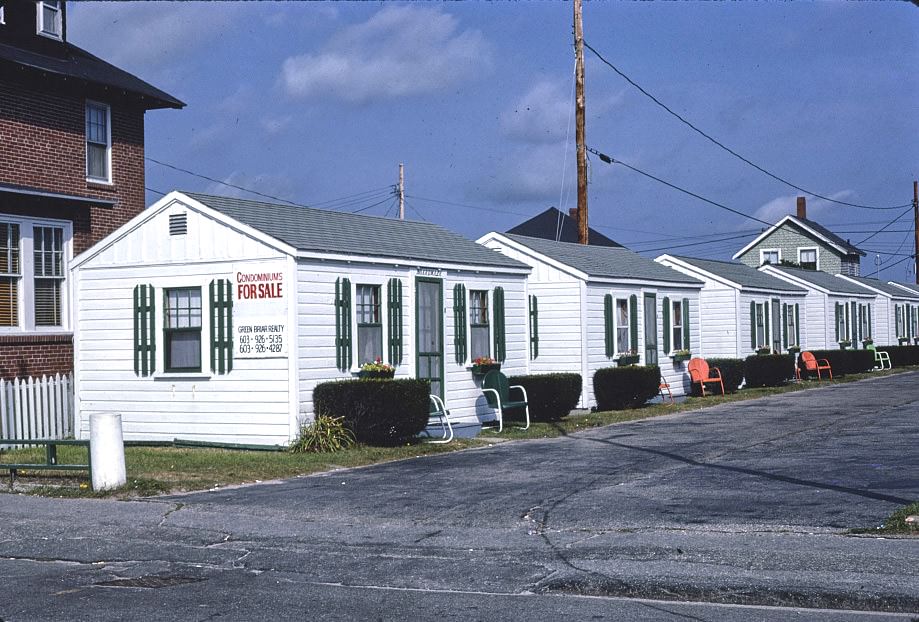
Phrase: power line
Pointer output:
(908, 210)
(663, 248)
(154, 191)
(367, 207)
(419, 214)
(478, 207)
(611, 160)
(728, 149)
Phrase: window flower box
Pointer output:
(867, 342)
(794, 349)
(624, 359)
(763, 351)
(903, 341)
(378, 370)
(483, 365)
(845, 343)
(678, 356)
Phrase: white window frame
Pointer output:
(382, 303)
(108, 144)
(628, 329)
(160, 285)
(791, 326)
(26, 300)
(676, 324)
(58, 33)
(844, 323)
(816, 250)
(489, 317)
(760, 320)
(778, 254)
(378, 281)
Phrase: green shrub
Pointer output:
(900, 356)
(732, 373)
(616, 388)
(769, 370)
(844, 361)
(550, 396)
(324, 434)
(378, 412)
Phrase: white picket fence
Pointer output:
(36, 408)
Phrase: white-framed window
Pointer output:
(623, 341)
(770, 256)
(369, 324)
(479, 332)
(33, 274)
(676, 324)
(760, 325)
(48, 18)
(791, 328)
(807, 258)
(98, 142)
(842, 321)
(182, 329)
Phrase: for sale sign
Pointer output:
(260, 310)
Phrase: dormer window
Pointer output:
(48, 15)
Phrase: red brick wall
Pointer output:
(42, 137)
(38, 355)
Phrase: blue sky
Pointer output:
(314, 102)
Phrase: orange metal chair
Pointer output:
(665, 386)
(813, 364)
(699, 372)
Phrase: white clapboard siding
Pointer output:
(37, 408)
(719, 321)
(559, 324)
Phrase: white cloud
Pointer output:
(782, 206)
(541, 115)
(532, 175)
(400, 51)
(275, 185)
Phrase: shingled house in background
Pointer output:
(71, 172)
(802, 242)
(554, 225)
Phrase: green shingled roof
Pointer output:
(887, 288)
(310, 229)
(742, 274)
(824, 280)
(605, 262)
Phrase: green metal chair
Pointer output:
(439, 415)
(498, 394)
(880, 358)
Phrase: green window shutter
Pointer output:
(343, 323)
(144, 331)
(221, 321)
(666, 310)
(534, 327)
(797, 325)
(686, 343)
(633, 322)
(459, 323)
(752, 325)
(836, 323)
(608, 326)
(499, 334)
(766, 326)
(854, 327)
(394, 290)
(784, 326)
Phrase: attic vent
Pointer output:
(178, 224)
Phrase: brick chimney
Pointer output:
(802, 207)
(573, 212)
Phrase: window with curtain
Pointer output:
(760, 326)
(98, 142)
(791, 329)
(369, 324)
(48, 255)
(622, 326)
(182, 329)
(478, 324)
(10, 274)
(807, 258)
(677, 325)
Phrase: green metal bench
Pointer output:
(498, 394)
(51, 462)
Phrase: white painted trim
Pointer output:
(108, 142)
(905, 288)
(794, 280)
(40, 21)
(907, 295)
(377, 260)
(526, 250)
(763, 251)
(293, 354)
(793, 219)
(816, 249)
(696, 271)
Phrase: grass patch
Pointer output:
(896, 523)
(158, 470)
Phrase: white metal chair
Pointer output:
(440, 416)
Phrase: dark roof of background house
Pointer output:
(75, 63)
(742, 274)
(885, 287)
(612, 262)
(825, 280)
(829, 235)
(310, 229)
(553, 223)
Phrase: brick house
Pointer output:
(71, 172)
(798, 241)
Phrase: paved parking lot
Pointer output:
(742, 504)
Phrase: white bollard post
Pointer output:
(106, 451)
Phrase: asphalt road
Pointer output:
(737, 512)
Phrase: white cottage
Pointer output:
(743, 309)
(894, 307)
(594, 306)
(837, 312)
(906, 315)
(213, 318)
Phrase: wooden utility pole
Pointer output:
(916, 227)
(579, 122)
(401, 191)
